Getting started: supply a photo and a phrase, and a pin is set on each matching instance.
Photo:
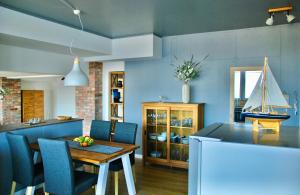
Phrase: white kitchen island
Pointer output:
(233, 160)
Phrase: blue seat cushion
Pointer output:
(38, 174)
(84, 181)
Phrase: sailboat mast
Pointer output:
(264, 85)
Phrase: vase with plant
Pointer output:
(187, 72)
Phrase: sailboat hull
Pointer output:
(264, 116)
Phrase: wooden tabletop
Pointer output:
(95, 157)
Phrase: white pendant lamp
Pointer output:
(76, 77)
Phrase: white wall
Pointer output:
(132, 48)
(58, 99)
(48, 94)
(44, 34)
(29, 60)
(64, 99)
(109, 67)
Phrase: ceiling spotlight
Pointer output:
(270, 20)
(290, 18)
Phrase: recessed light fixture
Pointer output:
(33, 76)
(289, 17)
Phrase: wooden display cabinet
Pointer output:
(166, 128)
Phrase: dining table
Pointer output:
(102, 160)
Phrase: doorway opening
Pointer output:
(242, 83)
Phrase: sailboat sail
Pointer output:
(273, 95)
(255, 101)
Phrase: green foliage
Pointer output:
(4, 91)
(189, 70)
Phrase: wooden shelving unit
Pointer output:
(175, 120)
(116, 104)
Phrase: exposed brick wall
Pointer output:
(10, 106)
(89, 98)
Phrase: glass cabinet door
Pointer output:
(156, 133)
(181, 127)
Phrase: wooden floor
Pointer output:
(151, 180)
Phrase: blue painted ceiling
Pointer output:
(120, 18)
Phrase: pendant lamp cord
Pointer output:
(71, 44)
(67, 4)
(80, 21)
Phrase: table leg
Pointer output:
(102, 179)
(128, 174)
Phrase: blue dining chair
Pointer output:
(25, 172)
(100, 130)
(124, 133)
(60, 177)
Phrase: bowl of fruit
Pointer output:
(84, 141)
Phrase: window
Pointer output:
(237, 84)
(251, 78)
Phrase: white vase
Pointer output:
(185, 93)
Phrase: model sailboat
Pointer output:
(264, 99)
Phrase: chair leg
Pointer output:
(13, 188)
(30, 190)
(116, 183)
(133, 173)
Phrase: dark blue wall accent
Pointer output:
(146, 80)
(47, 131)
(112, 18)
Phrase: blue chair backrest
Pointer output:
(100, 130)
(125, 132)
(22, 159)
(58, 167)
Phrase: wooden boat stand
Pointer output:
(262, 123)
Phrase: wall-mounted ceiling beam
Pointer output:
(50, 36)
(133, 48)
(22, 30)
